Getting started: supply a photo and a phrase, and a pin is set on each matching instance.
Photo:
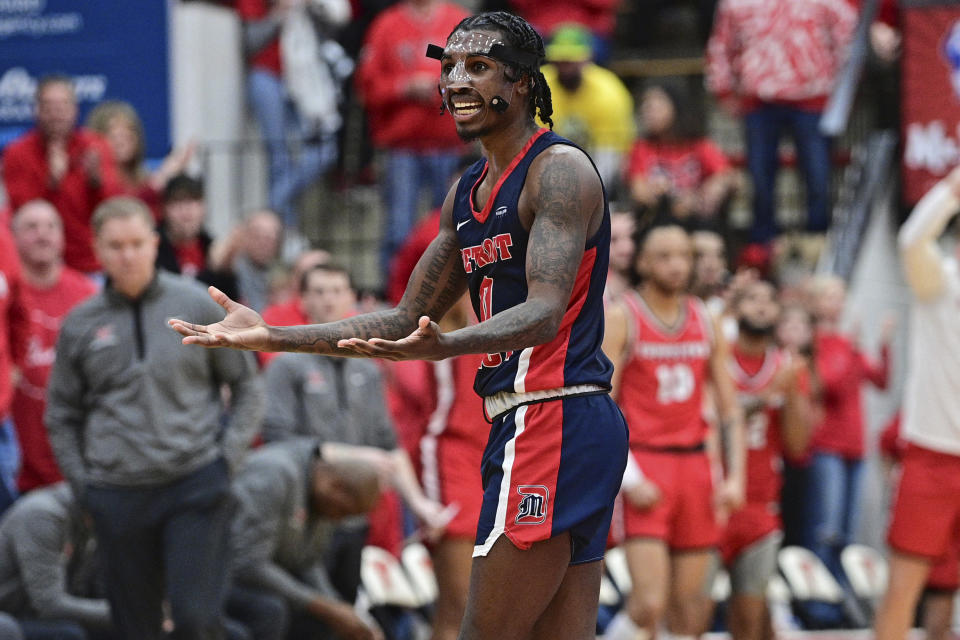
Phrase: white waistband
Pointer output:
(505, 401)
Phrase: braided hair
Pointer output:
(518, 34)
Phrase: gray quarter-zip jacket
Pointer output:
(129, 405)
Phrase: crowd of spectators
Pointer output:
(126, 461)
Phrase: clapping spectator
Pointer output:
(120, 125)
(674, 169)
(398, 86)
(49, 291)
(71, 168)
(838, 441)
(185, 246)
(591, 105)
(775, 63)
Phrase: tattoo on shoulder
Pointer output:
(558, 235)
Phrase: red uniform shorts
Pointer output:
(684, 518)
(451, 474)
(753, 522)
(926, 514)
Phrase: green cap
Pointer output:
(570, 43)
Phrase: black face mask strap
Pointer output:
(523, 60)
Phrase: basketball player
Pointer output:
(772, 390)
(666, 349)
(527, 231)
(926, 513)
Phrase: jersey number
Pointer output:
(757, 430)
(675, 383)
(486, 312)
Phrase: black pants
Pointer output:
(167, 541)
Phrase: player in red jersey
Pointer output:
(666, 349)
(773, 392)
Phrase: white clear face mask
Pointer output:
(468, 43)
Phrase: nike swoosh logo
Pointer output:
(460, 224)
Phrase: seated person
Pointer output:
(671, 169)
(43, 547)
(291, 497)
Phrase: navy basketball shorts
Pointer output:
(552, 467)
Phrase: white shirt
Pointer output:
(931, 413)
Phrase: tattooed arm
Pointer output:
(435, 284)
(562, 205)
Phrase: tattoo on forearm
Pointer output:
(437, 281)
(323, 338)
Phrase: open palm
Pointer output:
(241, 328)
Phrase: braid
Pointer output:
(518, 34)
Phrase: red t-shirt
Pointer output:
(46, 308)
(409, 253)
(268, 58)
(685, 164)
(843, 370)
(393, 52)
(26, 175)
(599, 16)
(191, 258)
(661, 388)
(285, 314)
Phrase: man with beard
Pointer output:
(527, 230)
(773, 393)
(666, 349)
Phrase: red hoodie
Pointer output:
(843, 370)
(26, 175)
(11, 314)
(395, 51)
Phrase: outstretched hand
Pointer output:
(241, 328)
(426, 343)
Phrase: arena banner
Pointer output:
(114, 49)
(930, 93)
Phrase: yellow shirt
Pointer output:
(598, 115)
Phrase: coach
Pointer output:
(135, 422)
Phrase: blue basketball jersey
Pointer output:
(494, 250)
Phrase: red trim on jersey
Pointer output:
(537, 460)
(547, 361)
(482, 215)
(762, 375)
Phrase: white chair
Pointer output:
(807, 576)
(384, 581)
(418, 565)
(616, 562)
(866, 570)
(720, 589)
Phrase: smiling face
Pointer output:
(470, 79)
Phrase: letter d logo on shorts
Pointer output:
(533, 504)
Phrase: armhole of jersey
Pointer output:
(706, 319)
(633, 322)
